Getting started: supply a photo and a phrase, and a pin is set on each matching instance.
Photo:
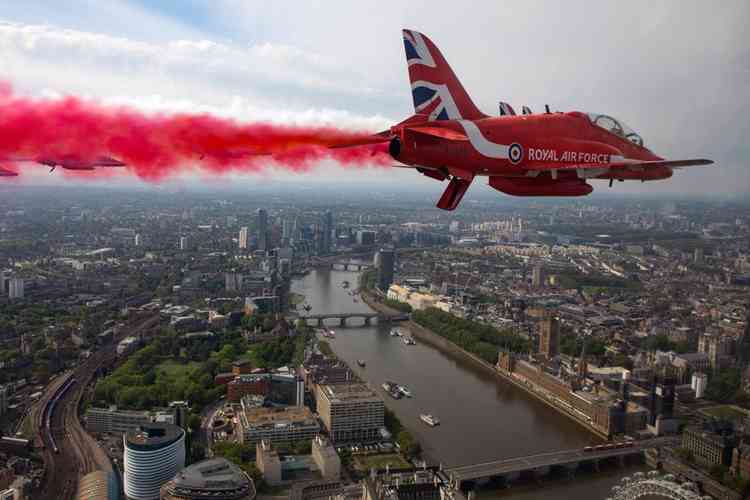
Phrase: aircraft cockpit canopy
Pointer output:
(616, 127)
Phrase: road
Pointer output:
(207, 422)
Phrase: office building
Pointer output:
(350, 412)
(263, 232)
(243, 238)
(365, 238)
(248, 385)
(10, 494)
(698, 256)
(4, 398)
(276, 425)
(698, 383)
(414, 484)
(180, 410)
(711, 444)
(277, 388)
(326, 459)
(549, 336)
(286, 229)
(154, 453)
(661, 401)
(537, 276)
(4, 282)
(233, 282)
(324, 490)
(98, 485)
(385, 262)
(114, 421)
(15, 288)
(718, 347)
(741, 461)
(268, 462)
(184, 243)
(216, 479)
(286, 389)
(326, 233)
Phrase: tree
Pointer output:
(346, 457)
(718, 471)
(724, 386)
(197, 452)
(255, 474)
(685, 455)
(659, 343)
(409, 446)
(398, 305)
(194, 422)
(392, 423)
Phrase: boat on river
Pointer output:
(429, 419)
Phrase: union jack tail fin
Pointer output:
(434, 87)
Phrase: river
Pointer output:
(482, 417)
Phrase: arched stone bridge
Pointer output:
(367, 317)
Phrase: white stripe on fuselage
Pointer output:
(480, 142)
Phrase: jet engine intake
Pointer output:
(394, 148)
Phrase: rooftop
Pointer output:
(277, 416)
(153, 436)
(348, 392)
(213, 478)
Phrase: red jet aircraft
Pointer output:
(72, 162)
(544, 154)
(7, 173)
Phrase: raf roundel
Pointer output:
(515, 153)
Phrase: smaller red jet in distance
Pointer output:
(7, 173)
(531, 154)
(69, 162)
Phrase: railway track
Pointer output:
(69, 451)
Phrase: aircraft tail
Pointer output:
(435, 89)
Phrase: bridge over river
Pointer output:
(366, 317)
(542, 462)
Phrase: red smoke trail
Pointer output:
(160, 145)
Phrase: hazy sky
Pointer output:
(678, 72)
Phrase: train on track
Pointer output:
(49, 410)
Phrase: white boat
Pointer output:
(394, 333)
(429, 419)
(404, 390)
(392, 389)
(409, 341)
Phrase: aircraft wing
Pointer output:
(626, 164)
(107, 161)
(7, 173)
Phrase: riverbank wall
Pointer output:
(432, 338)
(446, 345)
(376, 305)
